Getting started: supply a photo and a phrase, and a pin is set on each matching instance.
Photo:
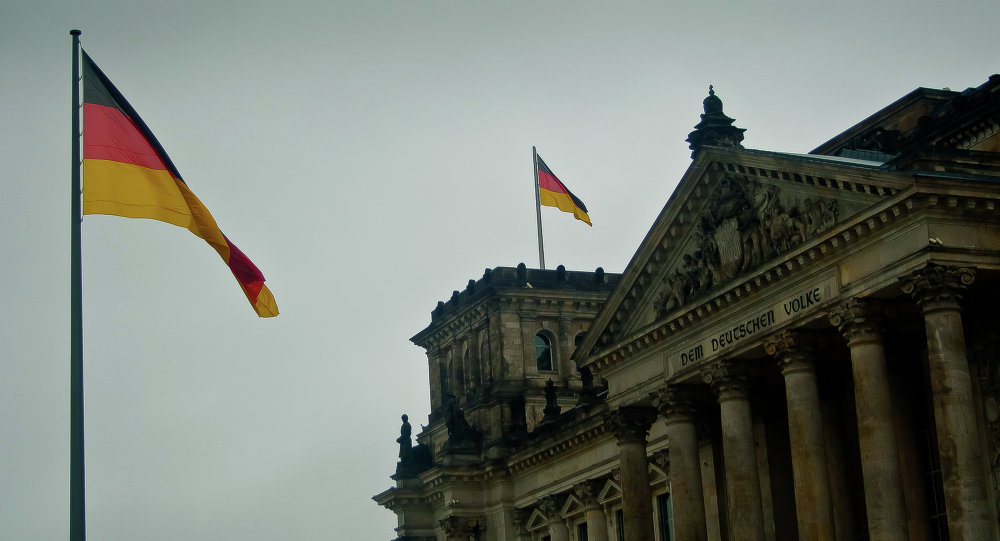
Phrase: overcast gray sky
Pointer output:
(370, 157)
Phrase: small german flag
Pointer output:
(127, 173)
(553, 193)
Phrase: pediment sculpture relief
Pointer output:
(743, 224)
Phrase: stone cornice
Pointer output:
(542, 452)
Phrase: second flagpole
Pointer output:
(538, 210)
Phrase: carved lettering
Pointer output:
(761, 321)
(803, 301)
(743, 330)
(692, 355)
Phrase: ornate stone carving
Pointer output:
(404, 441)
(715, 128)
(551, 409)
(662, 461)
(587, 492)
(936, 287)
(794, 350)
(550, 506)
(728, 379)
(857, 319)
(675, 402)
(743, 224)
(462, 528)
(462, 438)
(631, 423)
(413, 459)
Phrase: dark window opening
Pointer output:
(543, 352)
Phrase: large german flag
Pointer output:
(127, 173)
(553, 193)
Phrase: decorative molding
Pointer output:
(462, 528)
(795, 350)
(858, 320)
(676, 403)
(729, 380)
(631, 424)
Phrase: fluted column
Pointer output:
(856, 319)
(593, 512)
(557, 526)
(938, 289)
(630, 425)
(676, 404)
(813, 504)
(730, 382)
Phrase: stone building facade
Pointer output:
(804, 346)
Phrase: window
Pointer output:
(666, 513)
(578, 340)
(543, 352)
(581, 532)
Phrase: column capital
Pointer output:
(938, 287)
(676, 402)
(795, 350)
(729, 380)
(631, 423)
(461, 528)
(587, 492)
(550, 506)
(858, 320)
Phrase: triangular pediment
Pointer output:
(610, 492)
(734, 212)
(536, 521)
(571, 507)
(656, 475)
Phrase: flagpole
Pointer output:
(77, 514)
(538, 211)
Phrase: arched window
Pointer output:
(577, 340)
(543, 352)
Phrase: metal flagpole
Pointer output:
(77, 514)
(538, 211)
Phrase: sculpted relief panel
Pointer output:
(743, 224)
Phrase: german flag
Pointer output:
(553, 193)
(127, 173)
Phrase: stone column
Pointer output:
(630, 425)
(557, 526)
(730, 383)
(856, 319)
(676, 403)
(597, 524)
(937, 290)
(813, 503)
